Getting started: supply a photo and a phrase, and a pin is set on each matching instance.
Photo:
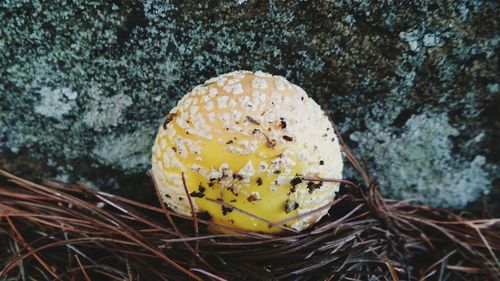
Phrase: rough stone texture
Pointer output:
(413, 87)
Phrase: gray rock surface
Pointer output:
(413, 87)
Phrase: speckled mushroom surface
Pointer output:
(250, 140)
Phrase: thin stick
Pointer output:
(37, 257)
(195, 220)
(270, 223)
(87, 278)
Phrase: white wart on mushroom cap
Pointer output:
(247, 139)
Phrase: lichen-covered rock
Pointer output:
(420, 163)
(413, 87)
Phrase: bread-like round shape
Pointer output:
(249, 140)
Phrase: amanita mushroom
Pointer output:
(248, 141)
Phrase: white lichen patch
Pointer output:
(56, 102)
(124, 151)
(103, 112)
(420, 163)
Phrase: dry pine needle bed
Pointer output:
(60, 231)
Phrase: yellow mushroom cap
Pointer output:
(248, 139)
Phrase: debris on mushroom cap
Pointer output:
(248, 140)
